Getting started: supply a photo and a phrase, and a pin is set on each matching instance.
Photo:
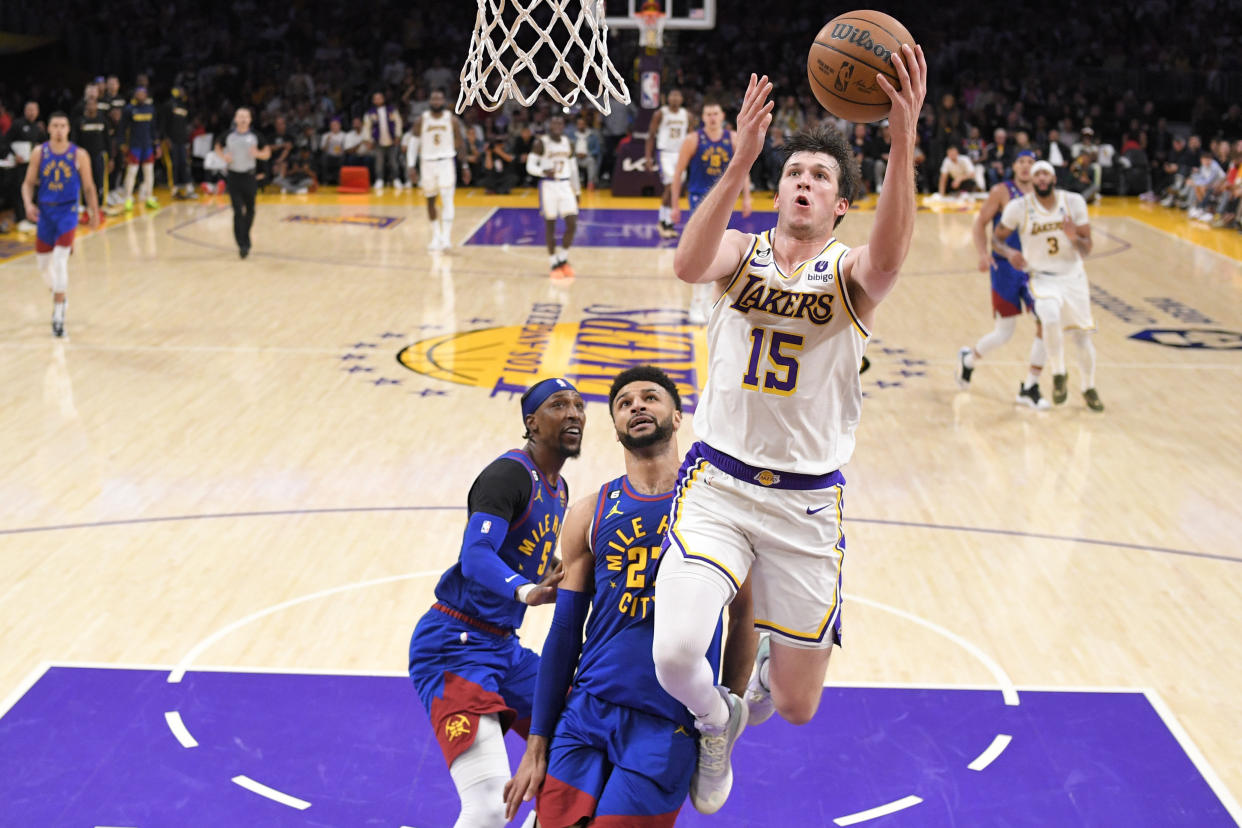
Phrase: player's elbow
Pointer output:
(686, 269)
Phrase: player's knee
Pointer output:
(481, 814)
(797, 709)
(673, 656)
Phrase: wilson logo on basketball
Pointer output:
(861, 38)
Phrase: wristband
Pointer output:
(523, 591)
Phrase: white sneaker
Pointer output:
(379, 187)
(398, 185)
(759, 704)
(713, 774)
(26, 226)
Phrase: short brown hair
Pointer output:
(830, 142)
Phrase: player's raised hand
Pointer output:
(908, 102)
(753, 121)
(528, 779)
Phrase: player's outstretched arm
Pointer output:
(707, 250)
(979, 230)
(559, 659)
(873, 267)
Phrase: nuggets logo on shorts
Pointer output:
(456, 727)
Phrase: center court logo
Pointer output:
(589, 353)
(374, 222)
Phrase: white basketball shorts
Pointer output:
(1071, 291)
(730, 520)
(556, 198)
(438, 176)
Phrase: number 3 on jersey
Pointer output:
(780, 347)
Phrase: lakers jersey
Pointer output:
(558, 153)
(673, 127)
(1045, 245)
(626, 534)
(435, 137)
(782, 388)
(527, 549)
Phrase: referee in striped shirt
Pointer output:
(240, 149)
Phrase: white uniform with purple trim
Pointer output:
(1054, 263)
(556, 192)
(776, 420)
(674, 126)
(437, 155)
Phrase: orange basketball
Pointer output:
(845, 58)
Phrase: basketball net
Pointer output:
(650, 28)
(522, 48)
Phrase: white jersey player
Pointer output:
(1053, 227)
(761, 494)
(551, 160)
(440, 136)
(669, 126)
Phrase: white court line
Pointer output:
(994, 750)
(212, 349)
(179, 729)
(1196, 757)
(23, 687)
(271, 793)
(882, 810)
(179, 671)
(486, 218)
(1002, 678)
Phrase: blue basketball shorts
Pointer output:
(462, 672)
(624, 767)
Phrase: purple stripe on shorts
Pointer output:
(767, 478)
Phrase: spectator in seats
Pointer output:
(587, 150)
(356, 154)
(332, 153)
(1086, 165)
(500, 169)
(381, 129)
(1054, 151)
(957, 174)
(999, 157)
(520, 146)
(281, 144)
(1203, 183)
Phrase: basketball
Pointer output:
(845, 58)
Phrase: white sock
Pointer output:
(131, 178)
(148, 180)
(446, 230)
(1039, 356)
(58, 310)
(993, 339)
(562, 254)
(1049, 313)
(664, 213)
(554, 259)
(1086, 357)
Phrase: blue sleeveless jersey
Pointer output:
(527, 549)
(59, 182)
(616, 666)
(1014, 241)
(708, 162)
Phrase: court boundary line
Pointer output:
(1142, 223)
(1188, 746)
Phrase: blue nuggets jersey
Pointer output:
(59, 182)
(708, 162)
(626, 535)
(1013, 241)
(527, 549)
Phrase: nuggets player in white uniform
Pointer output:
(440, 135)
(761, 493)
(669, 126)
(551, 160)
(1055, 233)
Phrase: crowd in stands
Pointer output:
(1138, 98)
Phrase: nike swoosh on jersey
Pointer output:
(811, 511)
(511, 577)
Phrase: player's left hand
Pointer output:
(753, 121)
(528, 778)
(908, 102)
(94, 215)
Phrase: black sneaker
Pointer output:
(58, 328)
(243, 251)
(1093, 399)
(1032, 398)
(963, 372)
(1060, 389)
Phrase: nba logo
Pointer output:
(650, 87)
